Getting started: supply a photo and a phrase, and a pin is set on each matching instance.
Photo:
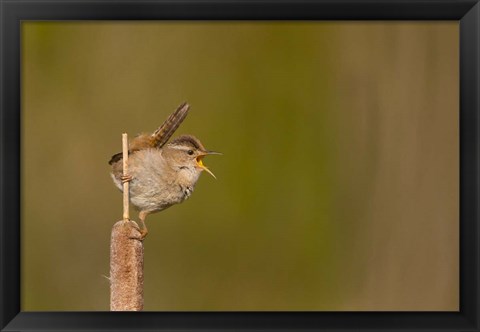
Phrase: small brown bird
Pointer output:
(161, 174)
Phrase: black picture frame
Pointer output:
(13, 12)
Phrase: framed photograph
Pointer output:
(345, 196)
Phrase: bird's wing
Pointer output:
(159, 136)
(139, 142)
(115, 158)
(166, 130)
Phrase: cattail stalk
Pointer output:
(126, 255)
(126, 190)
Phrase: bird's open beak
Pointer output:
(200, 162)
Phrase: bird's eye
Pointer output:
(190, 152)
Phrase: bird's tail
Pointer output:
(166, 130)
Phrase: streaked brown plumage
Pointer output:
(161, 174)
(159, 136)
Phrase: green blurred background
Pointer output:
(337, 190)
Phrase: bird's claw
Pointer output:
(126, 178)
(143, 234)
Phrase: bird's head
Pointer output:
(187, 151)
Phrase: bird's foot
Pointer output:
(143, 233)
(126, 178)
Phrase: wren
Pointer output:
(161, 173)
